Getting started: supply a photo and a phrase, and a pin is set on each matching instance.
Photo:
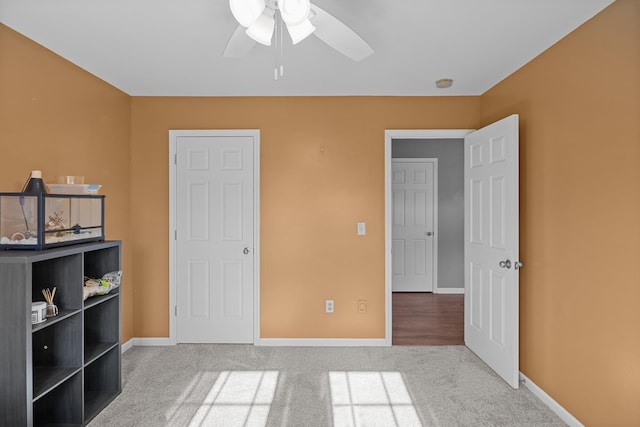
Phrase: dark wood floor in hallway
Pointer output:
(422, 318)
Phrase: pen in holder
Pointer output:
(52, 310)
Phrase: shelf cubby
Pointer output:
(65, 274)
(101, 328)
(62, 408)
(56, 353)
(100, 385)
(101, 261)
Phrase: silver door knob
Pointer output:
(428, 233)
(246, 251)
(518, 265)
(505, 264)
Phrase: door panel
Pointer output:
(496, 333)
(497, 225)
(232, 289)
(198, 288)
(232, 198)
(214, 219)
(198, 210)
(414, 200)
(474, 303)
(491, 237)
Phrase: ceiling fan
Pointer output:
(257, 20)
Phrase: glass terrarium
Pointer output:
(40, 221)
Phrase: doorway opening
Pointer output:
(435, 314)
(491, 241)
(414, 243)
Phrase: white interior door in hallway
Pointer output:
(491, 246)
(414, 244)
(215, 237)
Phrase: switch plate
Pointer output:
(362, 228)
(328, 306)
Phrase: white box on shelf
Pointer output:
(74, 188)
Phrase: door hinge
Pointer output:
(175, 159)
(175, 234)
(175, 310)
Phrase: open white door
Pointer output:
(491, 246)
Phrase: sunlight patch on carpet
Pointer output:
(235, 399)
(371, 399)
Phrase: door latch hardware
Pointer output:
(518, 265)
(505, 264)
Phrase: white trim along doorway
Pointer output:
(390, 135)
(228, 135)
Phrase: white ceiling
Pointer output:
(174, 47)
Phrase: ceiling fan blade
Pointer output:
(239, 45)
(337, 35)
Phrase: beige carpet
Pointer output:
(243, 385)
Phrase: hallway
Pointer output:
(423, 318)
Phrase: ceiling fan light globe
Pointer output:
(262, 29)
(301, 31)
(246, 11)
(294, 12)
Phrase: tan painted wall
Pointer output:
(62, 120)
(579, 105)
(580, 198)
(310, 202)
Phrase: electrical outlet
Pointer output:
(362, 306)
(328, 306)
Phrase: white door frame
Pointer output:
(436, 232)
(389, 136)
(173, 139)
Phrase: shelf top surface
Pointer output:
(26, 255)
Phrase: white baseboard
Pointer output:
(552, 404)
(151, 342)
(126, 346)
(274, 342)
(449, 291)
(323, 342)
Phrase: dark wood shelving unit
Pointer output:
(65, 370)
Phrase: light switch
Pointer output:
(362, 229)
